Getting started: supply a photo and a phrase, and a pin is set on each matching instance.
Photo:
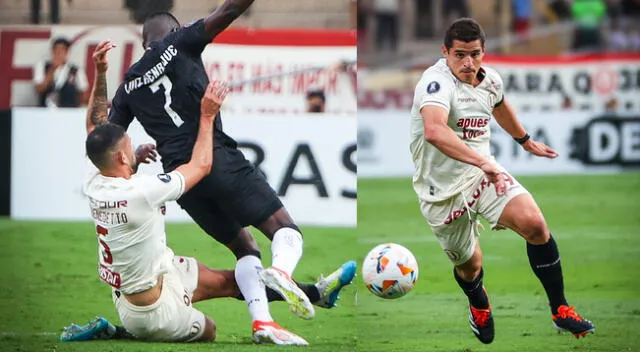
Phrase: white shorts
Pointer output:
(172, 318)
(454, 221)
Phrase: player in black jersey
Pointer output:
(163, 91)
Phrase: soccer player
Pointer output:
(456, 179)
(162, 90)
(153, 290)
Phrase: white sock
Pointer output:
(252, 289)
(286, 249)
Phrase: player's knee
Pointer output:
(534, 228)
(470, 269)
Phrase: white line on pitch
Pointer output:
(15, 333)
(503, 235)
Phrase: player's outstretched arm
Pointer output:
(506, 118)
(224, 15)
(202, 155)
(97, 109)
(441, 136)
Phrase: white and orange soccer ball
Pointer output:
(390, 270)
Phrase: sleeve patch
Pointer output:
(164, 178)
(433, 87)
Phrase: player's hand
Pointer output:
(539, 149)
(146, 153)
(213, 98)
(494, 174)
(100, 55)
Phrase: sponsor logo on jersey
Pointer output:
(433, 87)
(476, 122)
(101, 204)
(109, 276)
(164, 178)
(485, 184)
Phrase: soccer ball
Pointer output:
(390, 270)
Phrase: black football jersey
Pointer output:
(163, 91)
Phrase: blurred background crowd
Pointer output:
(398, 39)
(59, 81)
(390, 30)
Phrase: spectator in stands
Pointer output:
(139, 10)
(362, 24)
(454, 9)
(619, 36)
(316, 101)
(353, 14)
(58, 82)
(631, 8)
(522, 11)
(54, 11)
(588, 16)
(387, 27)
(561, 9)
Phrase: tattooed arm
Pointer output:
(98, 103)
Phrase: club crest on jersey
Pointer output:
(433, 87)
(164, 178)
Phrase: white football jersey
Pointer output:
(129, 218)
(437, 176)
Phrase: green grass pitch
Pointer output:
(596, 223)
(49, 278)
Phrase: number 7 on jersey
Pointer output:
(165, 82)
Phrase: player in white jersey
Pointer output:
(457, 180)
(153, 289)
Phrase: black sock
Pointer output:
(474, 290)
(545, 262)
(309, 289)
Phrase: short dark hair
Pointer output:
(101, 141)
(168, 16)
(316, 93)
(465, 30)
(61, 40)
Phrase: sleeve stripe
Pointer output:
(434, 103)
(182, 182)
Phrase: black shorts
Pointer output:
(234, 195)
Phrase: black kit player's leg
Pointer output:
(205, 211)
(275, 222)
